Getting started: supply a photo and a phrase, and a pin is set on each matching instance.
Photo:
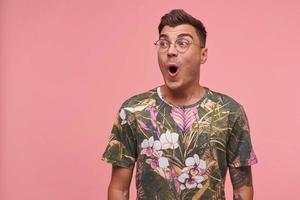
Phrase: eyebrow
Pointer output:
(179, 36)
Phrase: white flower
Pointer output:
(189, 182)
(193, 174)
(123, 116)
(147, 143)
(169, 140)
(195, 160)
(151, 147)
(182, 177)
(130, 109)
(163, 162)
(196, 165)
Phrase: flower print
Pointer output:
(160, 162)
(143, 125)
(136, 108)
(252, 160)
(151, 102)
(193, 174)
(152, 162)
(196, 165)
(163, 162)
(123, 116)
(169, 140)
(167, 172)
(151, 147)
(153, 150)
(188, 181)
(141, 106)
(209, 105)
(153, 115)
(184, 117)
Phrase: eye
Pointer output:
(182, 43)
(163, 44)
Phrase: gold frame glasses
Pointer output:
(181, 45)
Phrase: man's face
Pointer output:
(181, 70)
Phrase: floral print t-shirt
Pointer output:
(181, 152)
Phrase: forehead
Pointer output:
(183, 29)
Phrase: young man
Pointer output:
(182, 136)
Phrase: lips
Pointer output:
(173, 69)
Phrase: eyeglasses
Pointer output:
(181, 45)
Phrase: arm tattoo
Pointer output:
(240, 177)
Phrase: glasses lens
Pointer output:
(182, 45)
(162, 45)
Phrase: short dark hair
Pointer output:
(177, 17)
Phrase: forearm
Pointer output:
(118, 194)
(244, 193)
(241, 179)
(119, 186)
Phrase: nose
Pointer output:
(172, 50)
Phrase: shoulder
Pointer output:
(224, 100)
(140, 99)
(224, 103)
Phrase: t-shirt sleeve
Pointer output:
(121, 148)
(239, 147)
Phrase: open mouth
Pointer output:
(173, 70)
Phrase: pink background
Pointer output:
(66, 67)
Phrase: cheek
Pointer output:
(192, 64)
(160, 60)
(195, 58)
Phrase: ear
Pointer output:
(203, 55)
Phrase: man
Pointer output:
(182, 136)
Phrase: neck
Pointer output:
(183, 96)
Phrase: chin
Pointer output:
(173, 85)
